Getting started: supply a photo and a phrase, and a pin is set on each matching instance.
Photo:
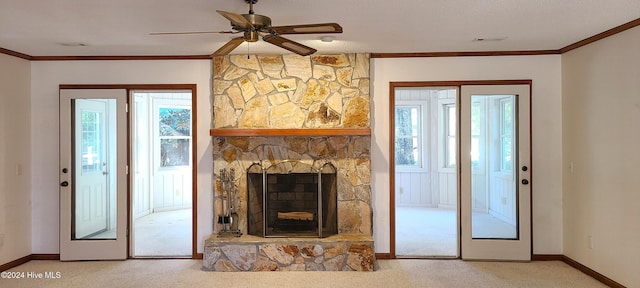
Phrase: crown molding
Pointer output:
(112, 58)
(464, 54)
(15, 54)
(600, 36)
(594, 38)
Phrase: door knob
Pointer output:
(525, 182)
(64, 184)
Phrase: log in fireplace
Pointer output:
(292, 199)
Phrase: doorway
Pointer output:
(162, 173)
(460, 179)
(426, 201)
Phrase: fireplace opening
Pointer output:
(292, 199)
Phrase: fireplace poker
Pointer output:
(228, 185)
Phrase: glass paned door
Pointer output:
(495, 170)
(92, 193)
(93, 174)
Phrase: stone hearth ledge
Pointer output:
(342, 252)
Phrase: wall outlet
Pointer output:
(590, 241)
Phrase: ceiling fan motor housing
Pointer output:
(260, 23)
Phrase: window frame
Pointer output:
(423, 164)
(502, 135)
(444, 117)
(447, 96)
(158, 103)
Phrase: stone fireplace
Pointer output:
(287, 113)
(292, 199)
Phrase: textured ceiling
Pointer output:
(122, 27)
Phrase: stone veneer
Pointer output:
(336, 253)
(291, 91)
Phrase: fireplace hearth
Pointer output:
(292, 199)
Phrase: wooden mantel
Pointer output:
(224, 132)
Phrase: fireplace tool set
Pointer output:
(229, 220)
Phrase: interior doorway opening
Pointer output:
(426, 202)
(162, 173)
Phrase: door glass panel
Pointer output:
(494, 191)
(93, 196)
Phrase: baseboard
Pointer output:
(384, 256)
(586, 270)
(25, 259)
(547, 257)
(45, 256)
(15, 263)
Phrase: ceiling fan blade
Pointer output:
(236, 19)
(292, 46)
(193, 32)
(308, 28)
(227, 48)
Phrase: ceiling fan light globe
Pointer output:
(327, 39)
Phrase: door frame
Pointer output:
(392, 180)
(194, 170)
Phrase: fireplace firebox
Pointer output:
(292, 199)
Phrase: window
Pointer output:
(408, 135)
(175, 136)
(477, 124)
(91, 141)
(506, 135)
(449, 115)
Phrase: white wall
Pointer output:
(545, 71)
(15, 179)
(45, 78)
(601, 117)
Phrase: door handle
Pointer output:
(525, 182)
(64, 184)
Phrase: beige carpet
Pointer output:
(163, 234)
(426, 232)
(391, 273)
(431, 232)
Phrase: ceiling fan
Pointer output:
(255, 25)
